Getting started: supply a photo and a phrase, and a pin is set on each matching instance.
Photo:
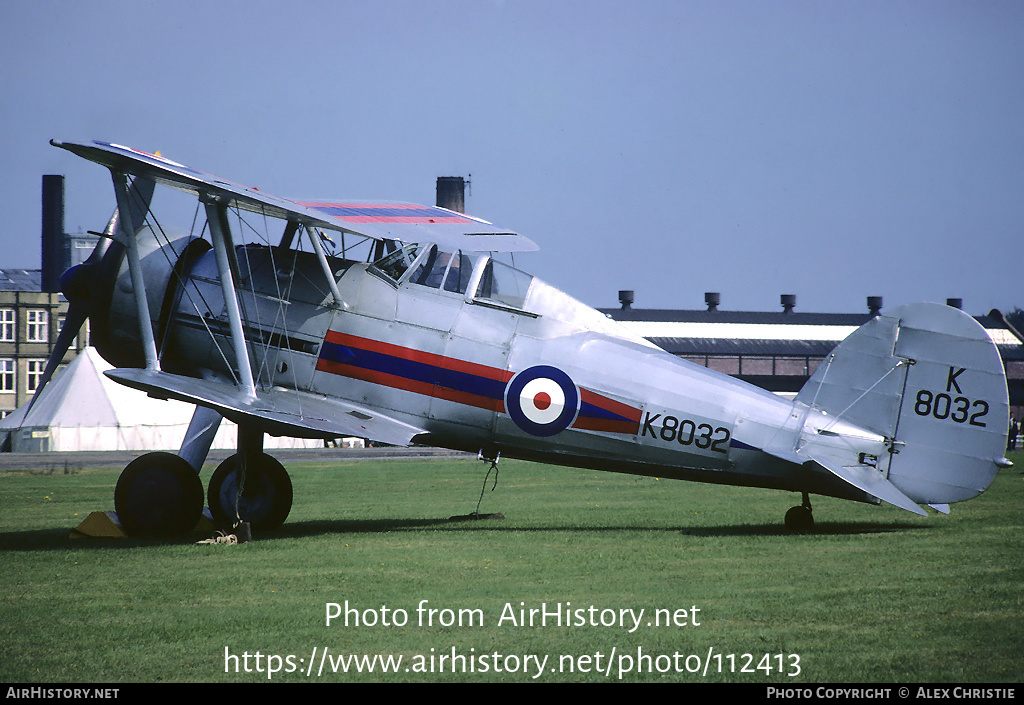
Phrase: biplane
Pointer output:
(269, 314)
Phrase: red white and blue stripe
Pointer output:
(355, 213)
(541, 400)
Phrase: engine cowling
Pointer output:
(115, 330)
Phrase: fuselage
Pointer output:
(482, 357)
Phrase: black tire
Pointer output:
(799, 519)
(159, 495)
(266, 497)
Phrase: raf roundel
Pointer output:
(542, 400)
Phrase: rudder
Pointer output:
(929, 378)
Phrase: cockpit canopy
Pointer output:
(486, 280)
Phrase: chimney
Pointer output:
(874, 304)
(788, 302)
(625, 299)
(712, 299)
(451, 193)
(53, 232)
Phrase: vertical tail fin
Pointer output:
(930, 379)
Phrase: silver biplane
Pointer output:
(433, 338)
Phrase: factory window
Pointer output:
(729, 364)
(7, 375)
(756, 366)
(796, 366)
(35, 374)
(1015, 369)
(7, 325)
(37, 327)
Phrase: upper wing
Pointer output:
(405, 222)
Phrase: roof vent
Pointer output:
(788, 302)
(874, 304)
(625, 299)
(712, 299)
(955, 303)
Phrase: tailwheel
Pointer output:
(800, 519)
(159, 495)
(266, 492)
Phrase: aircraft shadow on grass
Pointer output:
(58, 540)
(373, 526)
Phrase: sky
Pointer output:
(828, 149)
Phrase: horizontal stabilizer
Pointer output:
(790, 456)
(279, 412)
(871, 481)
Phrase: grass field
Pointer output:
(874, 595)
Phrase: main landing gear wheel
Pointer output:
(800, 519)
(159, 495)
(266, 496)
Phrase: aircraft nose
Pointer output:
(76, 283)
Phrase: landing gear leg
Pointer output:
(250, 486)
(799, 519)
(199, 437)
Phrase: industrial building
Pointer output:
(779, 350)
(32, 309)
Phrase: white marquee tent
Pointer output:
(83, 409)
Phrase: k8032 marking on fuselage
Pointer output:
(686, 432)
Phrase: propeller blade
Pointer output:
(78, 282)
(73, 321)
